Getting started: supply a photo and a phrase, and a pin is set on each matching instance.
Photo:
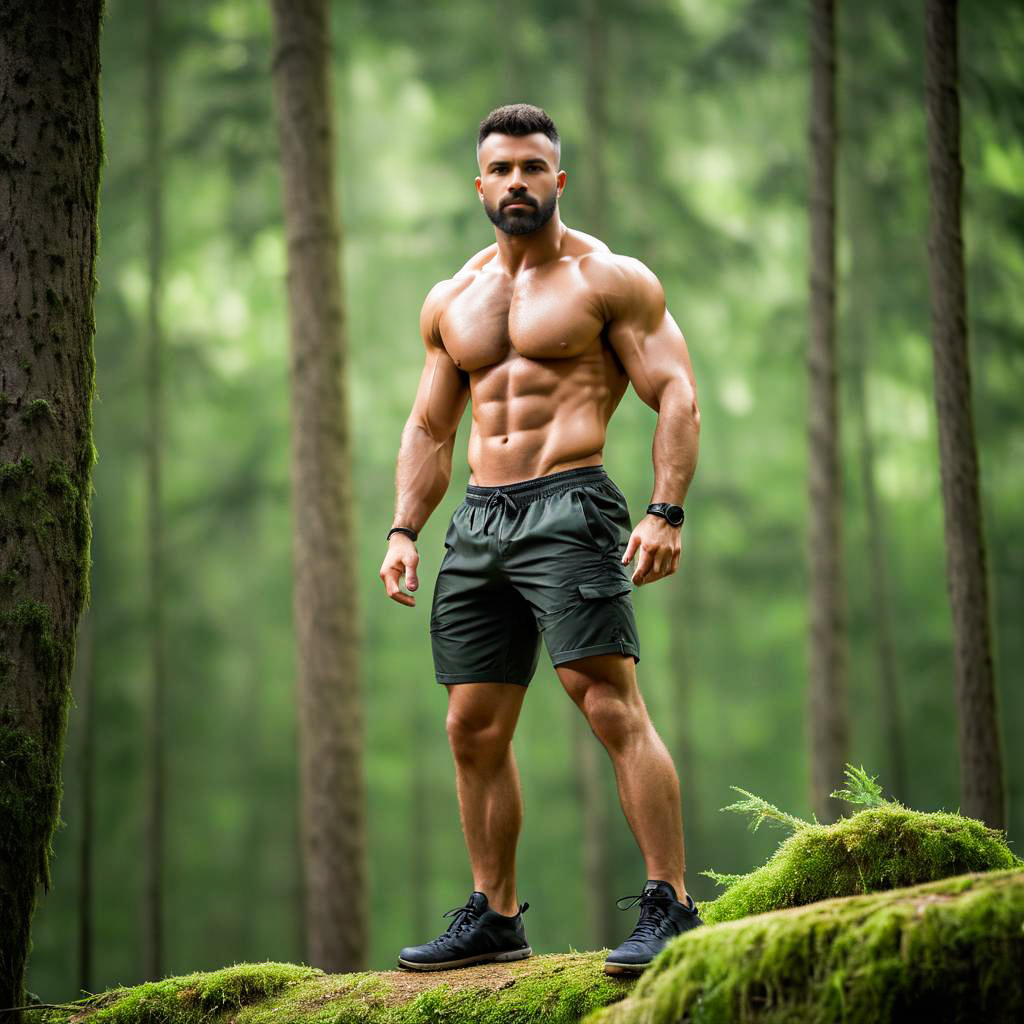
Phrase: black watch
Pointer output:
(672, 514)
(412, 534)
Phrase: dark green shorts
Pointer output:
(541, 556)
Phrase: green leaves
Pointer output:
(862, 789)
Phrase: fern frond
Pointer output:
(719, 877)
(861, 788)
(761, 811)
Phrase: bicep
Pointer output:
(443, 388)
(652, 349)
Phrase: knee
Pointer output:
(615, 722)
(477, 742)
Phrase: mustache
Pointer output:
(521, 199)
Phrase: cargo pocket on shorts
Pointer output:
(606, 588)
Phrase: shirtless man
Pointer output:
(543, 331)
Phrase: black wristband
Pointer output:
(403, 529)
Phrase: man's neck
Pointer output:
(521, 252)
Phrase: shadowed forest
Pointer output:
(685, 138)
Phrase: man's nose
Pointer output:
(516, 181)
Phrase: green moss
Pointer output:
(948, 950)
(12, 472)
(556, 989)
(876, 849)
(37, 620)
(37, 409)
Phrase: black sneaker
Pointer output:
(477, 935)
(662, 917)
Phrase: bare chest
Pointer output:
(540, 316)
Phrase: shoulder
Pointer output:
(625, 285)
(444, 291)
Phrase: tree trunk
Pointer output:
(85, 702)
(50, 153)
(981, 775)
(154, 714)
(827, 704)
(330, 711)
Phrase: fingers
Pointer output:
(644, 565)
(634, 543)
(411, 579)
(391, 574)
(655, 563)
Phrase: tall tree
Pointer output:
(151, 909)
(325, 563)
(52, 149)
(827, 704)
(981, 769)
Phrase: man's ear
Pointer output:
(559, 182)
(479, 191)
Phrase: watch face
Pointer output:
(674, 514)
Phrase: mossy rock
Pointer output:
(880, 848)
(553, 989)
(946, 951)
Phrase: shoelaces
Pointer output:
(653, 914)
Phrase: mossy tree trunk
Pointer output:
(50, 155)
(827, 664)
(981, 773)
(326, 619)
(151, 909)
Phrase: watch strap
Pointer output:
(661, 508)
(408, 531)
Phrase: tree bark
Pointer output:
(50, 156)
(151, 910)
(827, 703)
(326, 615)
(981, 774)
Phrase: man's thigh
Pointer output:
(491, 707)
(601, 677)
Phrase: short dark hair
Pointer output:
(518, 119)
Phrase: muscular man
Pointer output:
(543, 331)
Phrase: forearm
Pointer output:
(422, 475)
(675, 443)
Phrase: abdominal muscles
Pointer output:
(532, 417)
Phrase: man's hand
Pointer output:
(659, 546)
(402, 558)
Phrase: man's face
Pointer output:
(519, 181)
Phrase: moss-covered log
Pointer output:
(880, 848)
(553, 989)
(946, 951)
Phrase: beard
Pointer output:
(522, 222)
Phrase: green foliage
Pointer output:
(761, 811)
(862, 788)
(879, 848)
(949, 950)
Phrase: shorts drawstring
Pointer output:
(494, 500)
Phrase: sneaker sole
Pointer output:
(483, 958)
(614, 968)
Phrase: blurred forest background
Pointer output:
(697, 154)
